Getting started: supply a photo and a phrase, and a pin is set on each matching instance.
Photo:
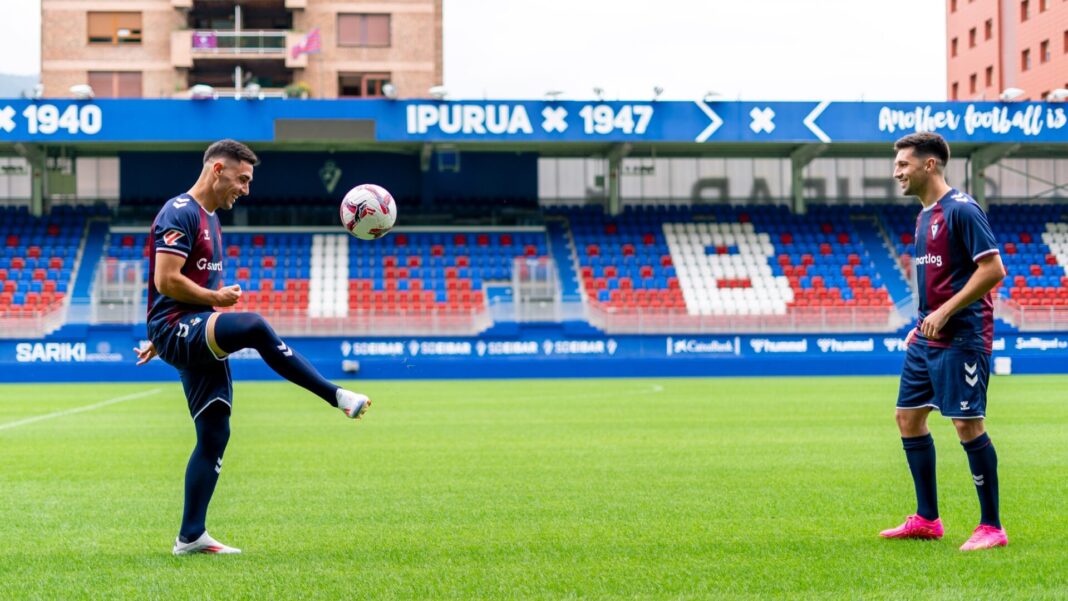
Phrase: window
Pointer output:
(1025, 60)
(1043, 51)
(116, 84)
(952, 6)
(988, 29)
(953, 93)
(1043, 6)
(1025, 10)
(114, 28)
(972, 81)
(361, 85)
(971, 38)
(990, 76)
(363, 30)
(953, 47)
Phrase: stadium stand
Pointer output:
(310, 280)
(37, 259)
(671, 268)
(723, 267)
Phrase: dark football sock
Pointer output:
(983, 461)
(236, 331)
(920, 452)
(202, 473)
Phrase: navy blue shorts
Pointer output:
(951, 380)
(205, 377)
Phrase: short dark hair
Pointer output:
(231, 149)
(925, 144)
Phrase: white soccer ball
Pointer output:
(368, 211)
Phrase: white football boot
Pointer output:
(353, 404)
(204, 544)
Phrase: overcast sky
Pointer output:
(751, 49)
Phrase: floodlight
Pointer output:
(1058, 95)
(657, 91)
(553, 94)
(82, 91)
(389, 91)
(202, 91)
(1010, 94)
(598, 92)
(438, 92)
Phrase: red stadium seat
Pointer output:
(33, 252)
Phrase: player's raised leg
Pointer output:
(231, 332)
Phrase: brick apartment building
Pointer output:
(162, 48)
(993, 45)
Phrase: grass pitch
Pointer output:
(542, 489)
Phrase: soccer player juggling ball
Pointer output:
(184, 286)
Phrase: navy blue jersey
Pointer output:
(951, 236)
(183, 228)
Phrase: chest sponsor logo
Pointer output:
(172, 237)
(929, 259)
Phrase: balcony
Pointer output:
(228, 45)
(243, 44)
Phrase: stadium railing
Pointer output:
(382, 323)
(1032, 318)
(20, 323)
(797, 320)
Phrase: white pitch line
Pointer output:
(38, 418)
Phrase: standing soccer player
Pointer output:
(947, 364)
(185, 331)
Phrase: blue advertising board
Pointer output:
(136, 120)
(107, 355)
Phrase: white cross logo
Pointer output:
(554, 119)
(6, 121)
(763, 120)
